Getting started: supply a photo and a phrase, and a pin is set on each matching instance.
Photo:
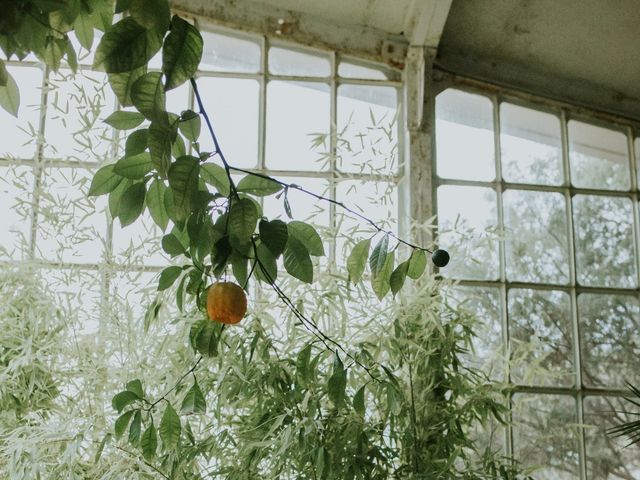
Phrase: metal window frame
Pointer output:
(565, 112)
(108, 264)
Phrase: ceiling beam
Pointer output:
(306, 29)
(425, 21)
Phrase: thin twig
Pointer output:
(218, 150)
(177, 384)
(334, 202)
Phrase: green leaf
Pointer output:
(178, 148)
(72, 58)
(122, 120)
(151, 14)
(216, 176)
(358, 402)
(161, 140)
(303, 363)
(122, 5)
(243, 217)
(239, 265)
(135, 386)
(148, 96)
(417, 264)
(379, 255)
(83, 27)
(380, 280)
(149, 442)
(398, 277)
(122, 83)
(268, 263)
(357, 261)
(206, 341)
(131, 204)
(258, 186)
(137, 142)
(4, 74)
(183, 180)
(104, 181)
(181, 53)
(172, 246)
(135, 167)
(126, 46)
(193, 401)
(307, 236)
(123, 422)
(337, 382)
(10, 96)
(297, 261)
(170, 428)
(155, 203)
(115, 197)
(122, 399)
(152, 313)
(101, 446)
(274, 235)
(168, 276)
(135, 428)
(190, 125)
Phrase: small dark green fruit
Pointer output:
(440, 258)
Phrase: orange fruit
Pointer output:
(226, 302)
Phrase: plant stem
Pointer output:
(334, 202)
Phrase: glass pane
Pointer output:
(76, 107)
(367, 129)
(377, 201)
(19, 135)
(599, 157)
(232, 105)
(536, 236)
(604, 241)
(300, 62)
(138, 243)
(464, 136)
(131, 294)
(607, 457)
(71, 226)
(467, 221)
(541, 337)
(230, 53)
(77, 294)
(487, 351)
(356, 69)
(303, 207)
(297, 112)
(545, 435)
(531, 149)
(609, 326)
(16, 187)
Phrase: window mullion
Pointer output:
(573, 282)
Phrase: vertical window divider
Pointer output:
(573, 282)
(504, 314)
(333, 149)
(38, 167)
(633, 171)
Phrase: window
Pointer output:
(538, 204)
(306, 116)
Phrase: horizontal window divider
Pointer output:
(549, 286)
(89, 267)
(297, 78)
(573, 191)
(324, 174)
(585, 391)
